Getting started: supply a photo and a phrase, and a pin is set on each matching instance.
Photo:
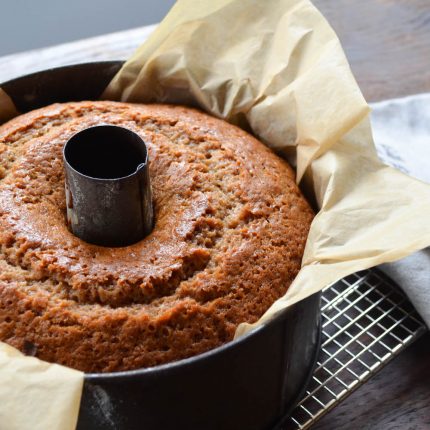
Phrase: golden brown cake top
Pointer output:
(229, 236)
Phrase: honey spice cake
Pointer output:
(229, 235)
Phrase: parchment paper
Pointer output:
(7, 108)
(276, 67)
(36, 395)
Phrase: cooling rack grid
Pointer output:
(366, 321)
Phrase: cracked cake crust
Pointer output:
(231, 227)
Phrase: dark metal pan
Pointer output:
(250, 383)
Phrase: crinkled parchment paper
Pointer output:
(35, 394)
(277, 68)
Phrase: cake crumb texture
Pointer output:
(231, 227)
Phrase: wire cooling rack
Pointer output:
(366, 322)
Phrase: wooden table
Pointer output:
(388, 46)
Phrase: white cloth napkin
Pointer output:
(401, 128)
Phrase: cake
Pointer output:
(229, 236)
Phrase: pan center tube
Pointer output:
(107, 184)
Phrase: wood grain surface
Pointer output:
(388, 45)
